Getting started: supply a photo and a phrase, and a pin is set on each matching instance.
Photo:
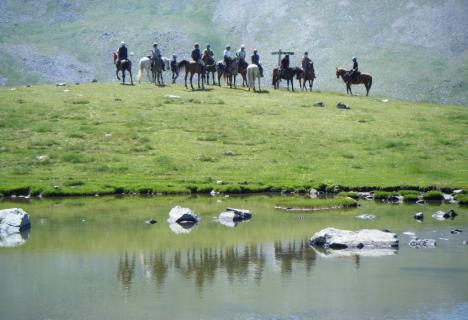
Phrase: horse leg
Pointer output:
(186, 75)
(117, 74)
(367, 89)
(131, 77)
(191, 81)
(198, 78)
(123, 76)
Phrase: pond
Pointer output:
(95, 258)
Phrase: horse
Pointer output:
(287, 74)
(157, 72)
(124, 65)
(145, 64)
(193, 67)
(210, 66)
(306, 76)
(228, 73)
(253, 72)
(242, 69)
(362, 78)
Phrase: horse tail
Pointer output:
(182, 64)
(370, 82)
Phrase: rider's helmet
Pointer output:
(354, 58)
(255, 50)
(242, 46)
(196, 45)
(208, 45)
(287, 56)
(228, 47)
(174, 56)
(306, 53)
(155, 44)
(122, 43)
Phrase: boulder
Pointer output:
(458, 191)
(319, 104)
(456, 231)
(152, 221)
(13, 226)
(341, 105)
(441, 215)
(422, 243)
(465, 242)
(419, 216)
(395, 199)
(363, 239)
(235, 215)
(182, 215)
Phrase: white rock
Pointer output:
(344, 239)
(366, 216)
(422, 243)
(235, 215)
(182, 215)
(458, 191)
(12, 222)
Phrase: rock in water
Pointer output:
(419, 216)
(13, 223)
(456, 231)
(441, 215)
(235, 215)
(422, 243)
(366, 216)
(151, 221)
(182, 215)
(363, 239)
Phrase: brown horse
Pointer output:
(308, 75)
(242, 70)
(210, 66)
(362, 78)
(287, 75)
(193, 67)
(124, 65)
(228, 73)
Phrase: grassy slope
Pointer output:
(99, 138)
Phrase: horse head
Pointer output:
(340, 72)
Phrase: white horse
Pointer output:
(253, 72)
(145, 64)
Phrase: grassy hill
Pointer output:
(99, 138)
(416, 50)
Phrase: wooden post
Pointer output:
(280, 53)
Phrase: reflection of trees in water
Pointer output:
(201, 265)
(125, 270)
(294, 251)
(155, 267)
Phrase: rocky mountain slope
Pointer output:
(416, 50)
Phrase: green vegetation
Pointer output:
(316, 203)
(433, 195)
(138, 139)
(462, 199)
(350, 194)
(384, 195)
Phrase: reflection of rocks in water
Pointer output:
(14, 239)
(126, 270)
(155, 267)
(182, 228)
(294, 251)
(330, 253)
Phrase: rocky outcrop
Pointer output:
(182, 216)
(331, 238)
(14, 224)
(231, 217)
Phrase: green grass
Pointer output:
(315, 204)
(350, 194)
(433, 195)
(135, 138)
(462, 199)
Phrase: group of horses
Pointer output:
(250, 73)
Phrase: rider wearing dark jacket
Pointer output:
(306, 62)
(256, 60)
(122, 52)
(285, 62)
(196, 55)
(354, 72)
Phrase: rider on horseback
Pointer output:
(122, 53)
(227, 56)
(306, 62)
(354, 72)
(208, 52)
(196, 55)
(256, 60)
(241, 55)
(156, 56)
(284, 64)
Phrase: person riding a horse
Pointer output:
(174, 63)
(256, 60)
(284, 64)
(208, 52)
(241, 54)
(156, 56)
(122, 53)
(227, 56)
(354, 72)
(196, 55)
(306, 62)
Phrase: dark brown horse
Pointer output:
(362, 78)
(193, 67)
(242, 70)
(230, 73)
(124, 65)
(287, 75)
(307, 75)
(210, 66)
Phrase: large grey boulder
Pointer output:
(13, 224)
(236, 215)
(331, 238)
(182, 215)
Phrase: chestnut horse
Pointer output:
(193, 67)
(362, 78)
(124, 65)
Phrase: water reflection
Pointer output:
(14, 239)
(202, 266)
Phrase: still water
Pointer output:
(96, 259)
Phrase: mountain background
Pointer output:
(415, 50)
